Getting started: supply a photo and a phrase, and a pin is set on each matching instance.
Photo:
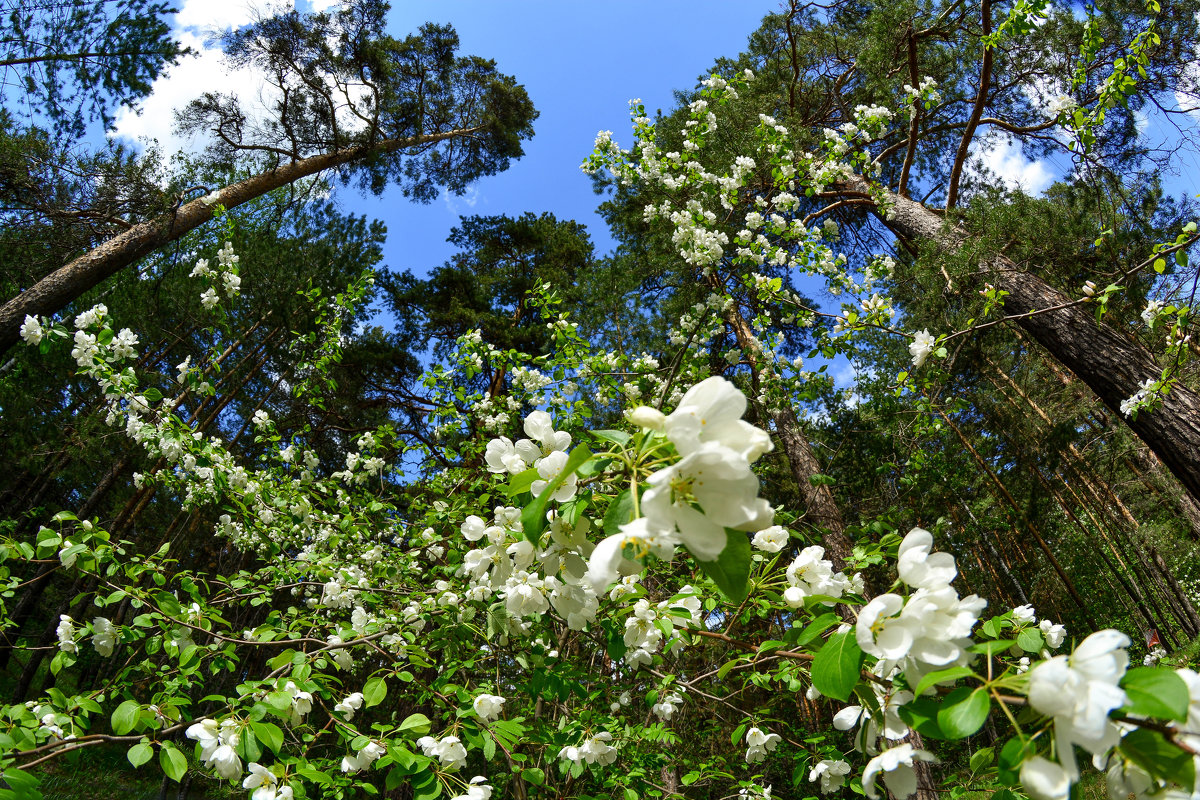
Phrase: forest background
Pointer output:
(1010, 437)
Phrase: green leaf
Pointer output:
(173, 762)
(426, 786)
(619, 512)
(815, 628)
(313, 774)
(620, 438)
(1162, 759)
(1012, 755)
(23, 784)
(497, 620)
(921, 716)
(1156, 692)
(534, 776)
(521, 482)
(152, 395)
(269, 734)
(941, 676)
(374, 692)
(731, 571)
(1031, 640)
(280, 701)
(835, 670)
(416, 724)
(993, 647)
(125, 717)
(964, 712)
(139, 754)
(982, 759)
(489, 746)
(533, 516)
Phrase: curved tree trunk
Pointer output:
(1111, 365)
(59, 288)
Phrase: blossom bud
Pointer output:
(647, 417)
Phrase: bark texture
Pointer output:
(1111, 365)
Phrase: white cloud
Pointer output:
(455, 204)
(154, 117)
(204, 16)
(196, 25)
(1002, 158)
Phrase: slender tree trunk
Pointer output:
(1067, 583)
(1111, 365)
(822, 510)
(1188, 609)
(59, 288)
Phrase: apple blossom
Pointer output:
(899, 776)
(488, 707)
(831, 773)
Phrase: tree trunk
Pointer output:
(53, 292)
(822, 509)
(1111, 365)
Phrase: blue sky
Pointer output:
(581, 64)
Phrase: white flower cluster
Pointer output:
(66, 635)
(759, 744)
(593, 750)
(347, 707)
(265, 785)
(1061, 104)
(33, 329)
(925, 92)
(448, 750)
(1078, 691)
(218, 746)
(772, 539)
(931, 628)
(105, 636)
(477, 789)
(874, 721)
(922, 347)
(226, 274)
(1144, 397)
(666, 708)
(545, 450)
(650, 627)
(897, 766)
(831, 773)
(364, 758)
(1151, 311)
(811, 574)
(694, 500)
(488, 707)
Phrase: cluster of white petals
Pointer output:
(711, 488)
(218, 746)
(831, 773)
(899, 773)
(593, 750)
(759, 744)
(364, 758)
(448, 750)
(811, 574)
(488, 707)
(265, 785)
(1079, 691)
(931, 628)
(477, 789)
